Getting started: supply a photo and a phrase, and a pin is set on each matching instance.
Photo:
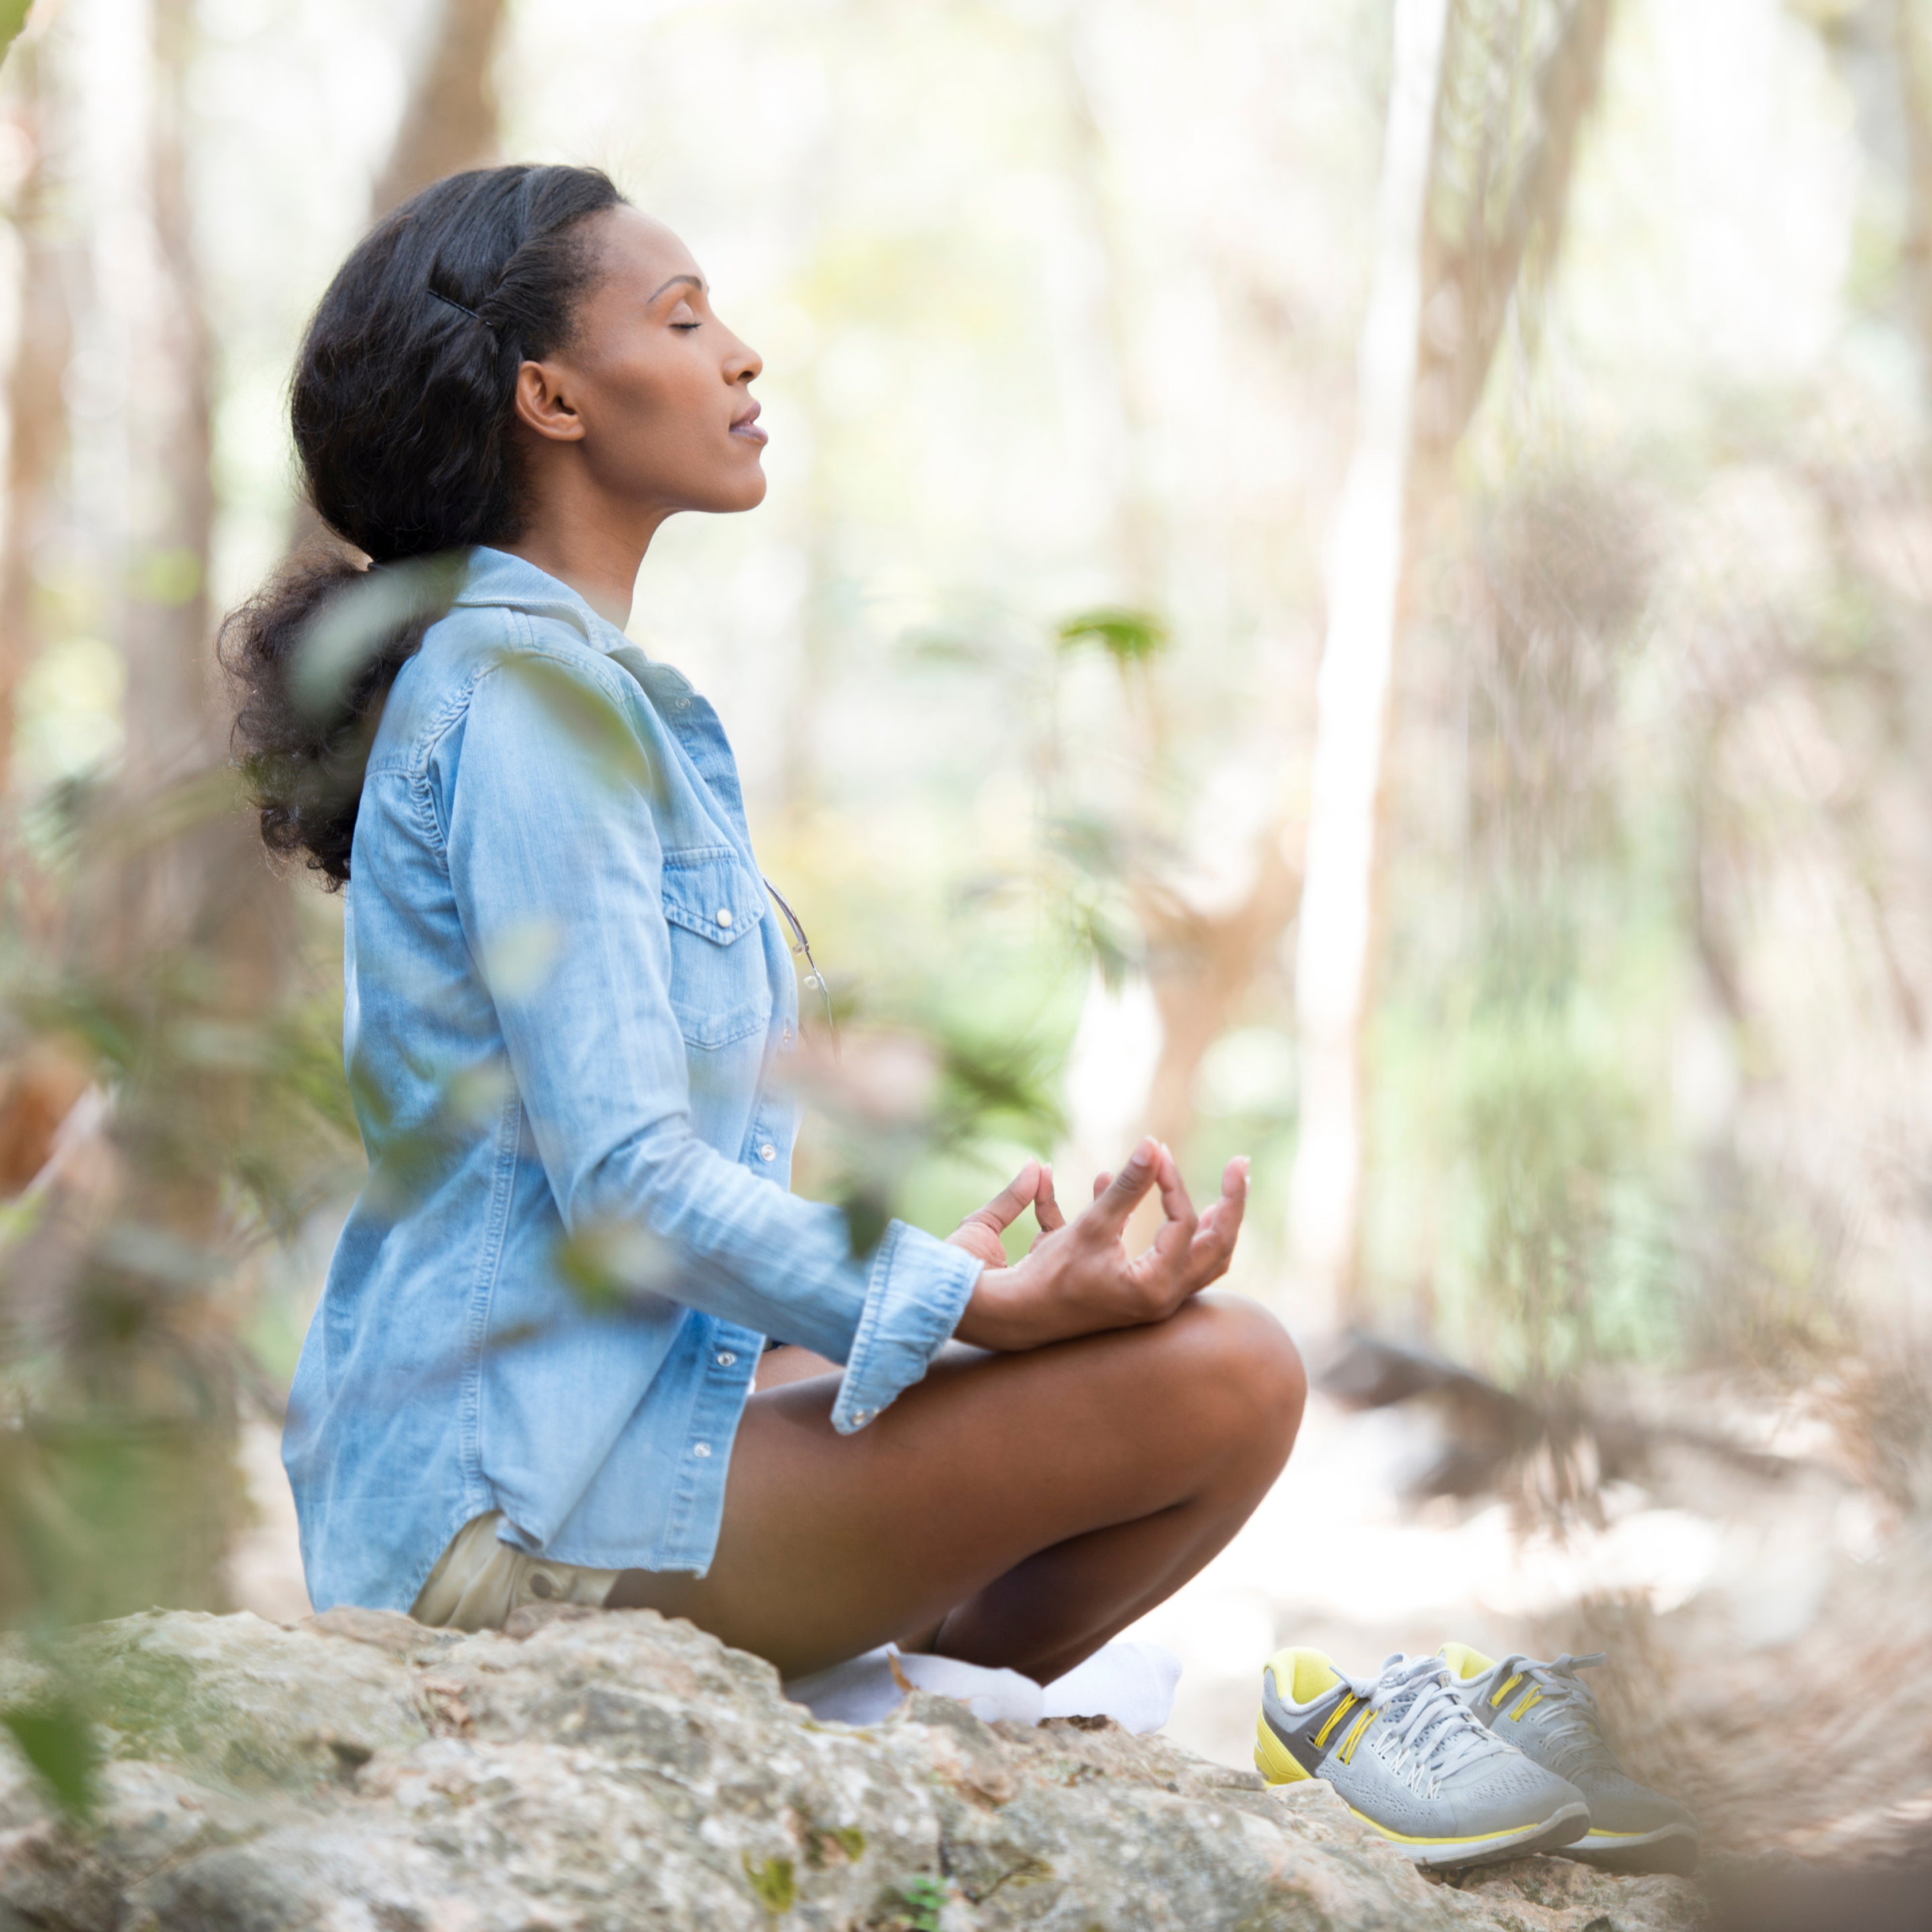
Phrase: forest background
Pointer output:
(1341, 582)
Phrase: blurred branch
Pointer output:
(1199, 966)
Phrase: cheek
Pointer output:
(665, 419)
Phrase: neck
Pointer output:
(598, 555)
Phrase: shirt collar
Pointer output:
(496, 577)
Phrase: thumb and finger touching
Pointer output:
(1046, 1209)
(1214, 1243)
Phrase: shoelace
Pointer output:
(1427, 1722)
(1571, 1724)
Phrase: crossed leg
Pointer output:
(1013, 1510)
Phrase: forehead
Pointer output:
(641, 254)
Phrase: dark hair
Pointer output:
(401, 404)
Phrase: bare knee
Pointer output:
(1246, 1377)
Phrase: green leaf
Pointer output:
(13, 17)
(925, 1900)
(1128, 637)
(867, 1213)
(56, 1739)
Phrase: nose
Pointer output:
(744, 363)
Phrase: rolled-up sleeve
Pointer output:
(545, 797)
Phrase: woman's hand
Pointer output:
(979, 1233)
(1078, 1279)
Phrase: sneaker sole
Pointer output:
(1674, 1848)
(1562, 1828)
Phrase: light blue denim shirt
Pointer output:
(569, 1006)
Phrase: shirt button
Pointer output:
(725, 1358)
(787, 1035)
(723, 915)
(862, 1416)
(701, 1448)
(768, 1152)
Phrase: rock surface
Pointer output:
(600, 1772)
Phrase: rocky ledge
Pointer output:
(598, 1772)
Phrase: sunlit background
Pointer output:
(1343, 583)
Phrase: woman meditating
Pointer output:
(570, 1008)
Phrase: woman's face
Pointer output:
(653, 388)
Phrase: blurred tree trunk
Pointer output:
(1469, 222)
(451, 121)
(172, 723)
(178, 924)
(1519, 78)
(36, 403)
(1352, 691)
(1911, 39)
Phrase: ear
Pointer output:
(543, 405)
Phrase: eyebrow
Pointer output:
(696, 281)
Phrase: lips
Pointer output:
(747, 426)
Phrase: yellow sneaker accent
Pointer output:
(1347, 1754)
(1495, 1702)
(1302, 1676)
(1335, 1716)
(1533, 1696)
(1272, 1758)
(1464, 1662)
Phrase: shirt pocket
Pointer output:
(719, 989)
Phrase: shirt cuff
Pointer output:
(918, 1290)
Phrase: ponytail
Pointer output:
(312, 656)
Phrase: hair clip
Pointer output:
(450, 301)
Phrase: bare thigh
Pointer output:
(1060, 1492)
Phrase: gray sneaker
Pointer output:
(1410, 1758)
(1547, 1711)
